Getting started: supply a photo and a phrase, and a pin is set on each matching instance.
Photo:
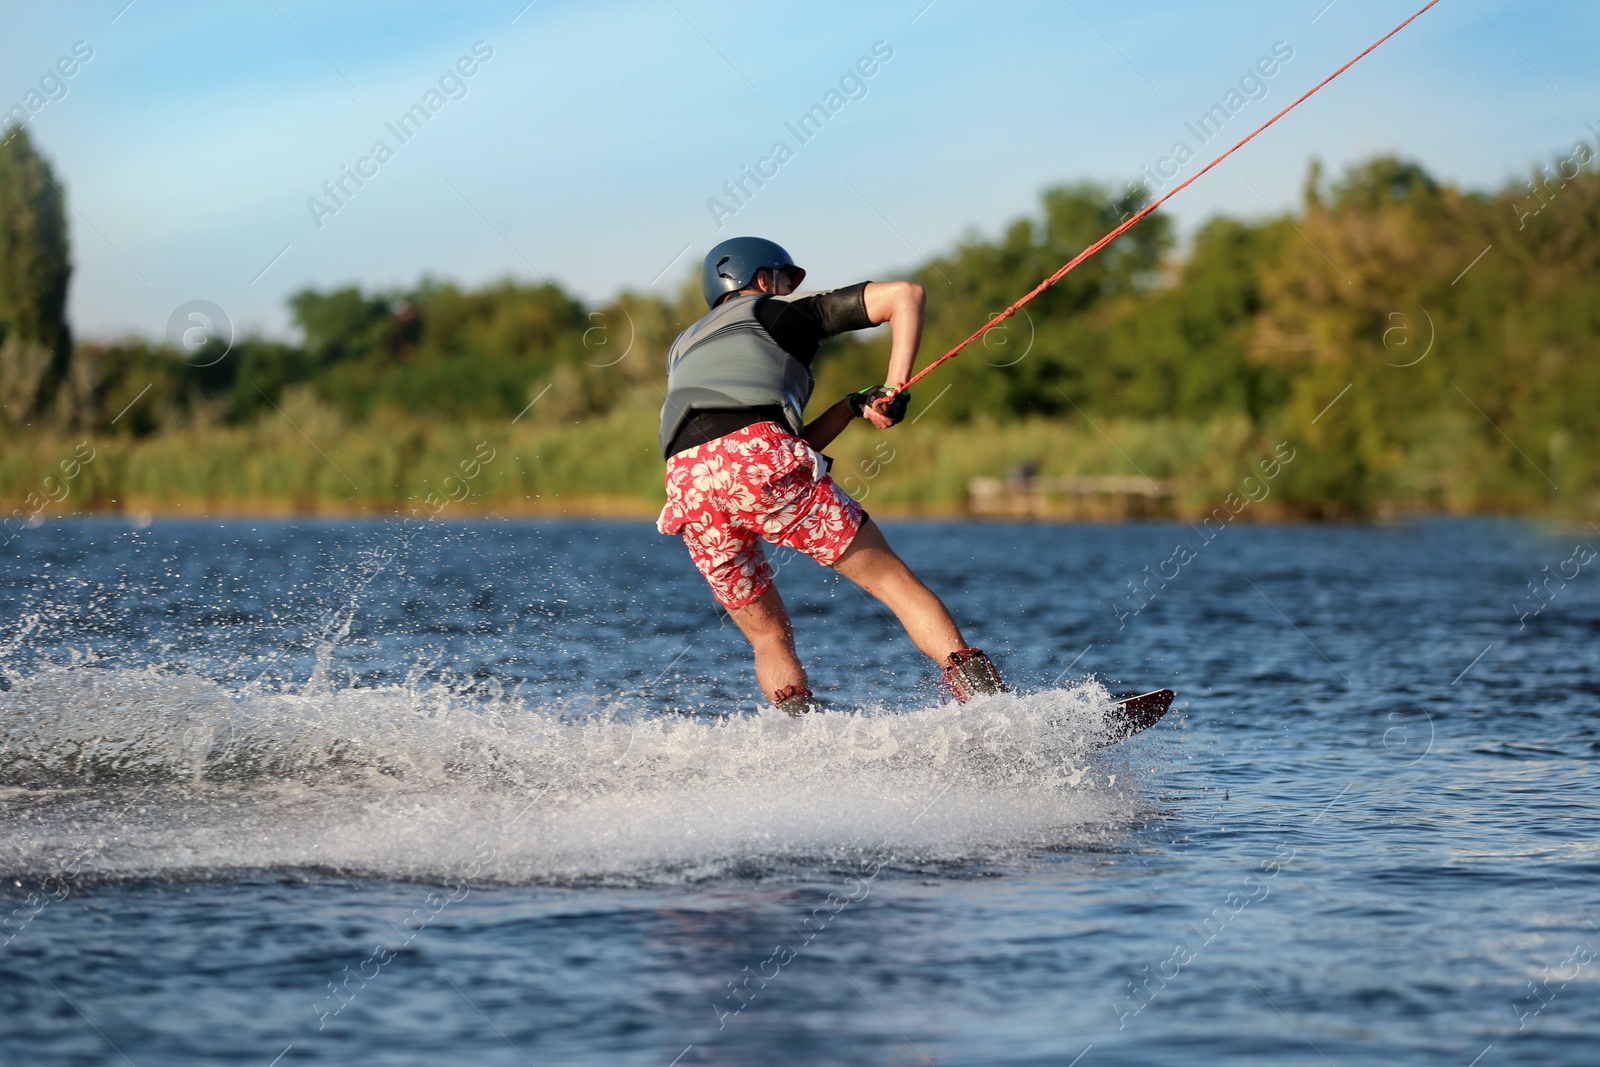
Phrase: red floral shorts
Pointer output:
(759, 483)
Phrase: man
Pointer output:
(743, 466)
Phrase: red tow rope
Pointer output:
(1130, 223)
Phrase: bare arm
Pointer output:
(821, 431)
(900, 304)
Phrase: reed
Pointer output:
(307, 459)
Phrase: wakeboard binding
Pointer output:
(796, 700)
(969, 673)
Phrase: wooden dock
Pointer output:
(1026, 495)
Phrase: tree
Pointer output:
(35, 341)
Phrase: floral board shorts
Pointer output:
(759, 483)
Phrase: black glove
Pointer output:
(897, 407)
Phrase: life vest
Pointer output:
(728, 360)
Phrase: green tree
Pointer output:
(35, 341)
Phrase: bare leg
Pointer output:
(872, 564)
(765, 624)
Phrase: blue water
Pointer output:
(502, 794)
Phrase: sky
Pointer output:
(591, 143)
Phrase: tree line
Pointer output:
(1416, 341)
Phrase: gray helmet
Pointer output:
(732, 266)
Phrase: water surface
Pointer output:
(502, 792)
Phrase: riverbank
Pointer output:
(307, 460)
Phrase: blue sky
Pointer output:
(586, 149)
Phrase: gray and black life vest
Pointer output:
(728, 360)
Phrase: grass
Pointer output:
(307, 459)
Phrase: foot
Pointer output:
(797, 700)
(968, 673)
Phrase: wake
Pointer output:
(149, 773)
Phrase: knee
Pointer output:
(764, 624)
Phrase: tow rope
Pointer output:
(1134, 220)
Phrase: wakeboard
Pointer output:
(1136, 714)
